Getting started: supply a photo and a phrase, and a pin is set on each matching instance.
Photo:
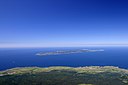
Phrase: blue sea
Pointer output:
(26, 57)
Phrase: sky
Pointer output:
(53, 23)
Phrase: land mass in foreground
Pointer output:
(59, 52)
(93, 75)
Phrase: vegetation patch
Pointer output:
(93, 75)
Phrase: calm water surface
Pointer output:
(24, 57)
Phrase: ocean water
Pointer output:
(25, 57)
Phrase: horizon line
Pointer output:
(89, 45)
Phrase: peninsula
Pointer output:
(60, 52)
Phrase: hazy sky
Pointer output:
(31, 23)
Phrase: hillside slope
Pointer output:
(93, 75)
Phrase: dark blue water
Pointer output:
(24, 57)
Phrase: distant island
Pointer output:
(67, 52)
(93, 75)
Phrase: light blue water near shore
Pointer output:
(24, 57)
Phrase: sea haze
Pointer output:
(26, 57)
